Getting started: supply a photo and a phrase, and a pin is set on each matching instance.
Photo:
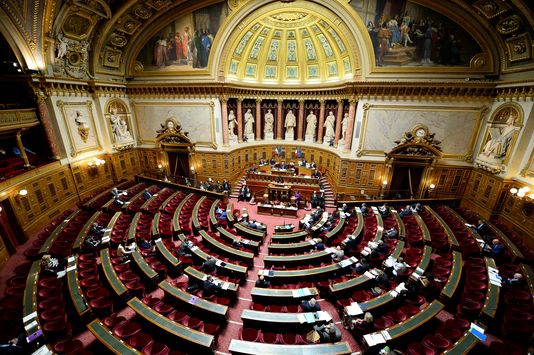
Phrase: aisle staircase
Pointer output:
(235, 189)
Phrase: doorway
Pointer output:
(405, 181)
(178, 164)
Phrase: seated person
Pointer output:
(384, 210)
(117, 193)
(97, 229)
(406, 211)
(364, 209)
(495, 249)
(361, 266)
(391, 233)
(209, 266)
(209, 288)
(338, 254)
(351, 242)
(123, 251)
(363, 325)
(50, 265)
(236, 243)
(118, 202)
(144, 244)
(345, 208)
(382, 280)
(185, 247)
(400, 267)
(517, 280)
(319, 244)
(417, 208)
(147, 195)
(326, 227)
(310, 305)
(92, 242)
(381, 248)
(328, 333)
(261, 282)
(16, 345)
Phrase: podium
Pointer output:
(279, 192)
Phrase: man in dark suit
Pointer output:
(210, 288)
(329, 333)
(209, 266)
(262, 282)
(310, 305)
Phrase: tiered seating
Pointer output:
(184, 211)
(97, 202)
(132, 191)
(466, 238)
(152, 205)
(136, 202)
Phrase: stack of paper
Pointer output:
(105, 239)
(374, 339)
(389, 262)
(369, 275)
(353, 310)
(225, 285)
(478, 332)
(323, 316)
(193, 248)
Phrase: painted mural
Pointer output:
(407, 34)
(185, 43)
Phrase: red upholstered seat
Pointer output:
(383, 323)
(409, 310)
(156, 349)
(150, 300)
(451, 334)
(163, 308)
(289, 339)
(141, 340)
(270, 338)
(102, 305)
(68, 346)
(210, 328)
(250, 334)
(194, 323)
(436, 342)
(113, 320)
(397, 316)
(126, 330)
(458, 323)
(419, 349)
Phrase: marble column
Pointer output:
(300, 122)
(350, 126)
(224, 117)
(47, 125)
(279, 119)
(322, 111)
(338, 121)
(22, 151)
(258, 119)
(239, 120)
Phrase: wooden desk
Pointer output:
(163, 206)
(45, 248)
(223, 249)
(155, 225)
(230, 214)
(453, 242)
(415, 321)
(462, 220)
(76, 295)
(276, 319)
(106, 337)
(492, 297)
(359, 226)
(172, 261)
(176, 217)
(196, 222)
(112, 277)
(111, 224)
(400, 225)
(317, 226)
(247, 244)
(199, 277)
(398, 250)
(84, 231)
(302, 259)
(337, 289)
(289, 237)
(250, 233)
(336, 230)
(291, 248)
(195, 304)
(277, 210)
(201, 342)
(30, 299)
(133, 227)
(127, 205)
(425, 260)
(149, 273)
(426, 235)
(230, 269)
(315, 274)
(379, 225)
(254, 348)
(213, 217)
(377, 302)
(448, 291)
(273, 295)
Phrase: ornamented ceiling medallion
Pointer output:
(289, 16)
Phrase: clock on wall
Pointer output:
(420, 131)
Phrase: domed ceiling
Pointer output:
(291, 46)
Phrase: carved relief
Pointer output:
(119, 122)
(72, 57)
(509, 24)
(142, 12)
(519, 47)
(491, 8)
(118, 40)
(112, 57)
(77, 26)
(128, 25)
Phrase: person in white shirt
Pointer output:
(123, 252)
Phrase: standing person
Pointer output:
(383, 46)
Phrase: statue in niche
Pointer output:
(249, 122)
(232, 122)
(119, 127)
(500, 138)
(269, 122)
(290, 123)
(344, 125)
(329, 124)
(61, 46)
(311, 124)
(83, 127)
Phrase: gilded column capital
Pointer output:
(259, 100)
(353, 100)
(340, 101)
(366, 107)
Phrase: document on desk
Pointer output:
(307, 317)
(369, 275)
(323, 316)
(354, 309)
(374, 339)
(225, 285)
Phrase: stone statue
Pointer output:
(119, 127)
(344, 125)
(249, 123)
(232, 122)
(83, 127)
(329, 123)
(61, 46)
(500, 137)
(311, 124)
(269, 122)
(291, 122)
